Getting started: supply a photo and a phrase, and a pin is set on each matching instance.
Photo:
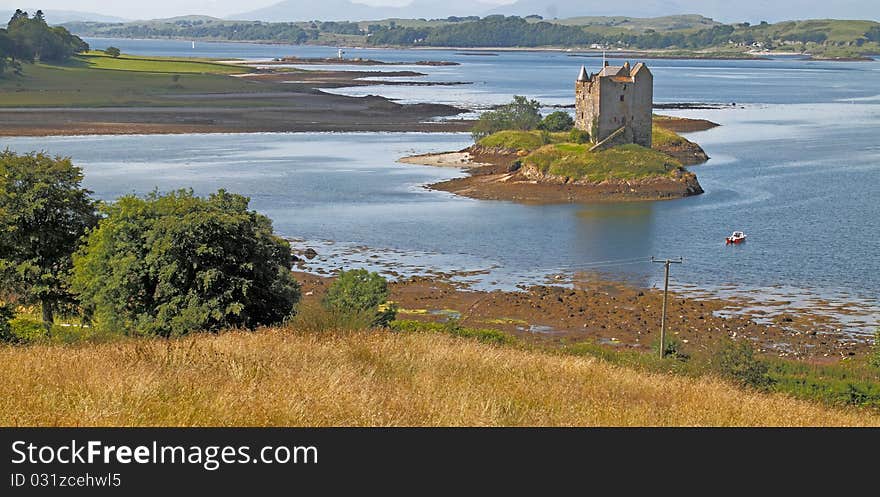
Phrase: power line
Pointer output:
(615, 262)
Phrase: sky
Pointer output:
(154, 9)
(722, 10)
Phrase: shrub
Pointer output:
(875, 350)
(112, 51)
(171, 264)
(557, 121)
(736, 361)
(578, 136)
(316, 318)
(26, 329)
(673, 349)
(6, 314)
(520, 114)
(361, 291)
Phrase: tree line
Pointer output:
(288, 32)
(501, 31)
(30, 39)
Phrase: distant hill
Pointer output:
(676, 36)
(346, 10)
(561, 9)
(726, 11)
(63, 16)
(641, 24)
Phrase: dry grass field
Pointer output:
(282, 378)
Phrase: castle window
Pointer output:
(621, 98)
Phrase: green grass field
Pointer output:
(96, 80)
(575, 161)
(98, 60)
(521, 140)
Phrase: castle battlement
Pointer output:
(617, 97)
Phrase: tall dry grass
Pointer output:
(276, 377)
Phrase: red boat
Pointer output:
(736, 237)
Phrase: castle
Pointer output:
(615, 105)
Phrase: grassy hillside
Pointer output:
(279, 377)
(552, 153)
(641, 24)
(575, 161)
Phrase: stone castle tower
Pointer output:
(616, 101)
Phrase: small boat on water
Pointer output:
(736, 237)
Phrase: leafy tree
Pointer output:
(171, 264)
(112, 51)
(557, 121)
(520, 114)
(44, 211)
(5, 49)
(33, 39)
(359, 290)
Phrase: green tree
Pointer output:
(44, 212)
(557, 121)
(359, 290)
(33, 39)
(171, 264)
(520, 114)
(112, 51)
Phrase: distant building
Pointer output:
(618, 100)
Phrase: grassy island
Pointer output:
(550, 161)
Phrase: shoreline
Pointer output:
(274, 104)
(584, 51)
(613, 314)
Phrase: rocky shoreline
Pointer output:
(612, 314)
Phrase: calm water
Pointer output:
(796, 165)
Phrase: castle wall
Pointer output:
(603, 105)
(586, 105)
(643, 108)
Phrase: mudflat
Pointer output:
(136, 95)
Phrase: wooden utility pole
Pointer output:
(666, 263)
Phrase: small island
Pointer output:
(615, 148)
